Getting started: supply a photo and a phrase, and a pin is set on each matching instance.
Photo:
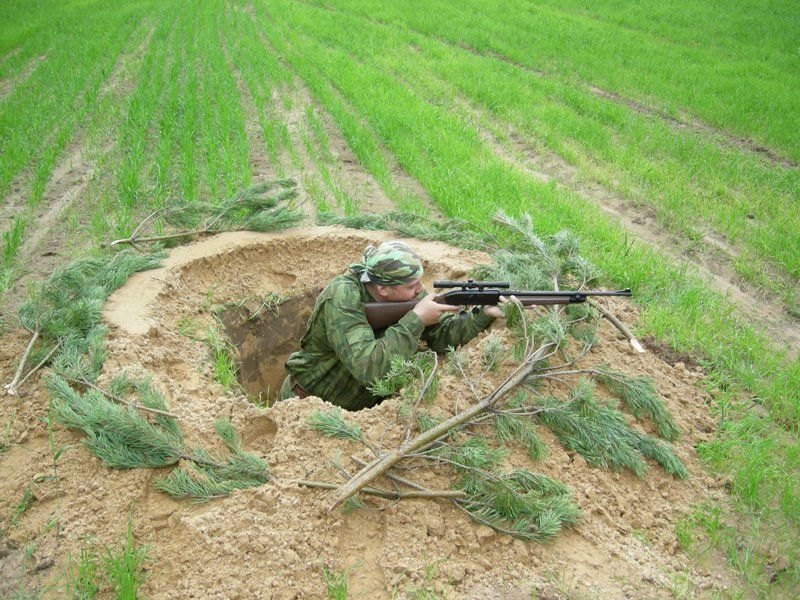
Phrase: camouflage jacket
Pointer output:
(340, 354)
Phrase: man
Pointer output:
(340, 354)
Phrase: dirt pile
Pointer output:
(276, 540)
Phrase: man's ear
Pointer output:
(381, 291)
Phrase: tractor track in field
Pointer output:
(685, 123)
(7, 86)
(698, 127)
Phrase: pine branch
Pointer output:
(213, 477)
(620, 327)
(332, 424)
(602, 436)
(383, 464)
(258, 208)
(388, 494)
(641, 399)
(120, 400)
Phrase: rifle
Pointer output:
(479, 293)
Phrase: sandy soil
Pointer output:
(274, 541)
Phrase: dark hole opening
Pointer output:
(265, 338)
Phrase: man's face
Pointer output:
(400, 293)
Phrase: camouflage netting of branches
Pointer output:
(549, 345)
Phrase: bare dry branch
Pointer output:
(388, 494)
(11, 388)
(379, 466)
(620, 326)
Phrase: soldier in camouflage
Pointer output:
(341, 355)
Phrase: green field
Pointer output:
(681, 114)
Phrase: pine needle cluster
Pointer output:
(641, 399)
(333, 424)
(602, 435)
(262, 207)
(212, 476)
(118, 435)
(63, 312)
(526, 505)
(455, 232)
(124, 439)
(414, 378)
(512, 428)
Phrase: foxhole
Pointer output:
(264, 337)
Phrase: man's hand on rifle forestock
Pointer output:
(429, 310)
(496, 312)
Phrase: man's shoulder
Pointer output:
(344, 289)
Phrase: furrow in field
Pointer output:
(76, 181)
(402, 184)
(7, 86)
(288, 109)
(323, 149)
(712, 260)
(121, 82)
(400, 187)
(43, 248)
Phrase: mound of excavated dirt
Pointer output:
(274, 541)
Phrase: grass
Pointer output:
(25, 503)
(223, 359)
(335, 584)
(174, 101)
(120, 570)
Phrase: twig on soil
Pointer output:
(388, 494)
(40, 365)
(130, 403)
(11, 388)
(162, 238)
(620, 326)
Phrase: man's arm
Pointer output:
(456, 330)
(353, 340)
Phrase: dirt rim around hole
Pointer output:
(275, 540)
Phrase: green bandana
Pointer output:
(391, 263)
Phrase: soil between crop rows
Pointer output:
(274, 541)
